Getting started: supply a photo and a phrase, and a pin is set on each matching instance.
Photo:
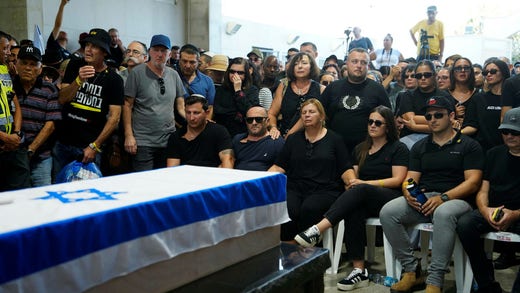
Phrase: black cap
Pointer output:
(439, 102)
(98, 37)
(30, 52)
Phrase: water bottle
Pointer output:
(413, 189)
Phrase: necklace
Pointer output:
(303, 90)
(316, 137)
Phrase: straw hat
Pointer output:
(219, 63)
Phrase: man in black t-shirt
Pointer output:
(500, 190)
(92, 97)
(201, 143)
(448, 166)
(348, 102)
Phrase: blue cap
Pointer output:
(160, 40)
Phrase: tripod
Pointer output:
(424, 51)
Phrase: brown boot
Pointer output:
(411, 281)
(433, 289)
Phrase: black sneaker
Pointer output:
(309, 237)
(357, 279)
(505, 260)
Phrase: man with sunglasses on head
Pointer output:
(498, 202)
(151, 91)
(201, 142)
(447, 165)
(256, 150)
(91, 95)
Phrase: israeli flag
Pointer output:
(38, 39)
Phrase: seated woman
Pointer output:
(380, 163)
(318, 168)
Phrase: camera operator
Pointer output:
(431, 37)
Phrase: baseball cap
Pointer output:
(219, 63)
(30, 52)
(439, 102)
(160, 40)
(511, 120)
(432, 8)
(98, 37)
(256, 52)
(517, 64)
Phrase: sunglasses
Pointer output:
(409, 76)
(509, 131)
(492, 71)
(435, 115)
(239, 72)
(254, 59)
(377, 123)
(161, 85)
(250, 120)
(425, 75)
(461, 68)
(442, 77)
(326, 83)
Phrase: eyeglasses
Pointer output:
(308, 149)
(133, 52)
(250, 120)
(161, 85)
(326, 82)
(443, 77)
(509, 131)
(492, 71)
(425, 75)
(435, 115)
(377, 123)
(409, 76)
(461, 68)
(239, 72)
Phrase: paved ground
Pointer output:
(505, 277)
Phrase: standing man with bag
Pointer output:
(91, 96)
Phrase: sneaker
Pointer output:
(309, 237)
(357, 279)
(505, 260)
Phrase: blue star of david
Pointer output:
(90, 194)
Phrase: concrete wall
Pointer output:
(135, 20)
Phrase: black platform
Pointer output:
(285, 268)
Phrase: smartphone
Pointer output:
(497, 214)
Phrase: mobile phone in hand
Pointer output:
(498, 213)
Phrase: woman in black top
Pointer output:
(299, 86)
(236, 95)
(380, 163)
(317, 166)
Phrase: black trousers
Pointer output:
(469, 228)
(355, 205)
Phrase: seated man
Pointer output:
(448, 166)
(500, 190)
(256, 150)
(201, 143)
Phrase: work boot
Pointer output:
(433, 289)
(410, 281)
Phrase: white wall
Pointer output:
(478, 48)
(135, 20)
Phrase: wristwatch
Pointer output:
(444, 197)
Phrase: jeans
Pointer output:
(149, 158)
(41, 171)
(397, 215)
(355, 205)
(411, 139)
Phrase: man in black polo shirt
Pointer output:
(448, 166)
(500, 190)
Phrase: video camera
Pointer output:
(424, 38)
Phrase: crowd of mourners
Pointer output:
(349, 136)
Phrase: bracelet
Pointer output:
(78, 81)
(93, 146)
(381, 183)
